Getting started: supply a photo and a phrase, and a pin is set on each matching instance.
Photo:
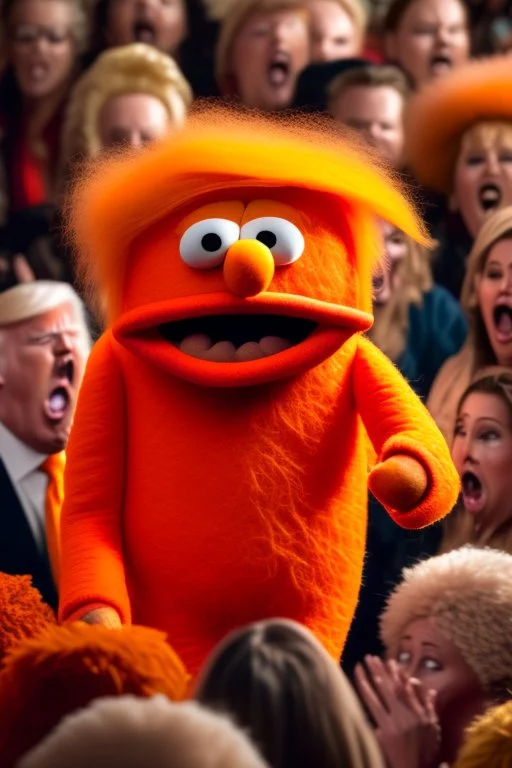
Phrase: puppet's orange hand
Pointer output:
(399, 482)
(107, 617)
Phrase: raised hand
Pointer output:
(406, 723)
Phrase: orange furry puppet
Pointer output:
(217, 469)
(63, 669)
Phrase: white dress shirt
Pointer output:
(22, 465)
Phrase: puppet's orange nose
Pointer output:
(248, 268)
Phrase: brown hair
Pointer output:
(397, 10)
(298, 707)
(371, 76)
(499, 385)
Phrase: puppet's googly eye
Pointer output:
(205, 243)
(283, 238)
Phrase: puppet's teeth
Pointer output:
(222, 352)
(271, 345)
(196, 344)
(251, 350)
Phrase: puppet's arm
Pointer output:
(414, 478)
(93, 585)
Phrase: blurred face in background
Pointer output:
(334, 32)
(133, 119)
(483, 173)
(432, 38)
(42, 363)
(376, 112)
(42, 48)
(161, 23)
(269, 52)
(386, 280)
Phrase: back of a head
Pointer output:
(281, 685)
(128, 732)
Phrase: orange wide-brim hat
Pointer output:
(440, 114)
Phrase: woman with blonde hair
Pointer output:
(487, 301)
(338, 28)
(131, 95)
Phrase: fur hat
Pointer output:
(488, 741)
(134, 733)
(22, 612)
(444, 110)
(467, 593)
(67, 667)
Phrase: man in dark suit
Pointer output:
(43, 349)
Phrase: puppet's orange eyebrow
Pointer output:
(233, 210)
(262, 208)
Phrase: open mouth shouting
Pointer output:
(489, 197)
(144, 31)
(473, 493)
(502, 316)
(279, 69)
(220, 341)
(59, 400)
(440, 64)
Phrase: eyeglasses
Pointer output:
(28, 34)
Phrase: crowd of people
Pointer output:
(425, 680)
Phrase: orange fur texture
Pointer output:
(194, 508)
(439, 115)
(23, 614)
(66, 668)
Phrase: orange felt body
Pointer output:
(197, 501)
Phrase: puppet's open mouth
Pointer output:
(237, 338)
(218, 340)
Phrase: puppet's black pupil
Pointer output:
(211, 242)
(267, 238)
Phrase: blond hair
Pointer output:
(131, 732)
(135, 68)
(28, 300)
(235, 16)
(370, 76)
(497, 227)
(356, 11)
(467, 594)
